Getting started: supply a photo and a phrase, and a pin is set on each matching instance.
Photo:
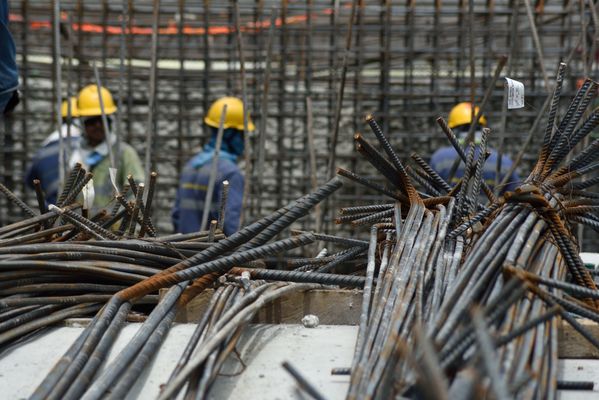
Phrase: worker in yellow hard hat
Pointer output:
(191, 196)
(442, 160)
(94, 151)
(234, 117)
(90, 110)
(460, 116)
(44, 165)
(67, 113)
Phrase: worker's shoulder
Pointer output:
(127, 150)
(50, 150)
(227, 167)
(126, 147)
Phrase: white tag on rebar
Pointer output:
(112, 172)
(515, 94)
(88, 195)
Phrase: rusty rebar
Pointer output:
(146, 220)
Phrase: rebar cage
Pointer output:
(406, 62)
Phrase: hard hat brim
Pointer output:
(210, 122)
(94, 112)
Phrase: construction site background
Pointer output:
(407, 63)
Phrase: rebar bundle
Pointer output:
(102, 264)
(408, 61)
(462, 294)
(467, 291)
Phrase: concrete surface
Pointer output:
(24, 368)
(313, 351)
(578, 370)
(590, 258)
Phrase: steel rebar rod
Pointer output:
(406, 183)
(18, 202)
(120, 364)
(367, 293)
(302, 382)
(135, 213)
(440, 182)
(223, 205)
(83, 223)
(70, 182)
(214, 167)
(372, 185)
(146, 220)
(302, 277)
(150, 128)
(224, 332)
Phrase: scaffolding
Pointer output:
(312, 71)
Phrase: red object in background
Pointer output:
(171, 29)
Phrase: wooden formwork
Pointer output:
(342, 307)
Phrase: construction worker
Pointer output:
(44, 165)
(94, 152)
(9, 76)
(443, 159)
(193, 185)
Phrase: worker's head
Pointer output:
(64, 108)
(233, 140)
(90, 110)
(460, 117)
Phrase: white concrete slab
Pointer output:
(578, 370)
(313, 351)
(263, 348)
(590, 258)
(24, 367)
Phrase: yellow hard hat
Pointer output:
(88, 102)
(234, 117)
(461, 114)
(64, 108)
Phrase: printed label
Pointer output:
(88, 195)
(515, 94)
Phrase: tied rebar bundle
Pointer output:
(462, 290)
(460, 283)
(116, 272)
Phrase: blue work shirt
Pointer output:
(189, 203)
(442, 160)
(9, 75)
(44, 166)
